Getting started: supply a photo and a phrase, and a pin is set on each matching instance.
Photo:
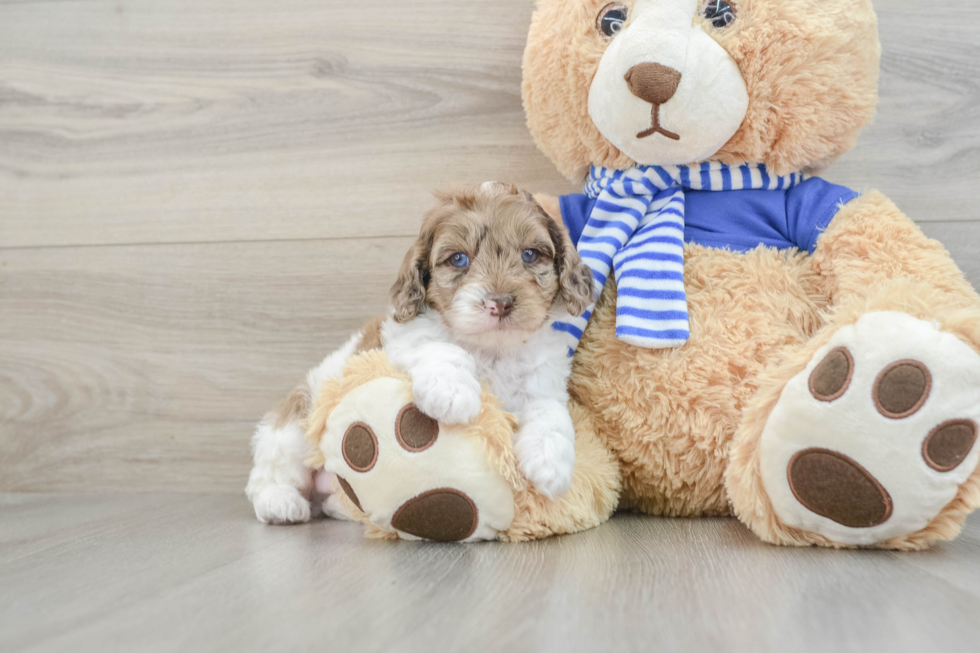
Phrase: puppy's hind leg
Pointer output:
(281, 485)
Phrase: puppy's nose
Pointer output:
(652, 82)
(501, 306)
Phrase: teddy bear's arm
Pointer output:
(871, 243)
(892, 372)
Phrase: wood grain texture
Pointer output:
(199, 201)
(143, 122)
(191, 121)
(147, 367)
(920, 151)
(170, 572)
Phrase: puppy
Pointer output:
(473, 302)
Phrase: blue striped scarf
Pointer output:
(637, 229)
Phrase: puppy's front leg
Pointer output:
(545, 446)
(444, 379)
(444, 383)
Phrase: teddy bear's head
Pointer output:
(787, 83)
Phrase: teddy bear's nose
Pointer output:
(652, 82)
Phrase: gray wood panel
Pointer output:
(147, 367)
(171, 572)
(920, 151)
(244, 149)
(147, 122)
(183, 121)
(199, 199)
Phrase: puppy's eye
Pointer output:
(610, 20)
(529, 256)
(459, 260)
(721, 13)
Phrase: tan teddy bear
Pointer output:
(767, 344)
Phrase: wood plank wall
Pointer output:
(199, 199)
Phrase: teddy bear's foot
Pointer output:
(406, 474)
(873, 439)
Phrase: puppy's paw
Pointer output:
(323, 482)
(546, 456)
(447, 395)
(333, 509)
(281, 504)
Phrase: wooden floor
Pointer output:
(199, 199)
(166, 572)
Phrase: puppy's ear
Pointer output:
(408, 291)
(575, 282)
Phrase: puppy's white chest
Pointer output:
(507, 379)
(539, 368)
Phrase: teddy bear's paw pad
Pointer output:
(408, 473)
(949, 444)
(443, 515)
(874, 438)
(349, 491)
(838, 488)
(360, 447)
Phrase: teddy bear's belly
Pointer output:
(669, 415)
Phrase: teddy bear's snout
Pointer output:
(653, 82)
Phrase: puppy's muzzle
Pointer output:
(500, 307)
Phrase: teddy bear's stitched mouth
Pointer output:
(654, 83)
(657, 128)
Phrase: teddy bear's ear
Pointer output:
(787, 83)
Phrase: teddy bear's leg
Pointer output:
(867, 435)
(405, 475)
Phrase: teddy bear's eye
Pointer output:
(720, 12)
(610, 20)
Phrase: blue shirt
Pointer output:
(741, 220)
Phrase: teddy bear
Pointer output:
(766, 345)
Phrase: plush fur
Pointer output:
(448, 333)
(872, 258)
(810, 68)
(689, 431)
(590, 500)
(687, 424)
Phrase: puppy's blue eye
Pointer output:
(529, 256)
(721, 13)
(459, 260)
